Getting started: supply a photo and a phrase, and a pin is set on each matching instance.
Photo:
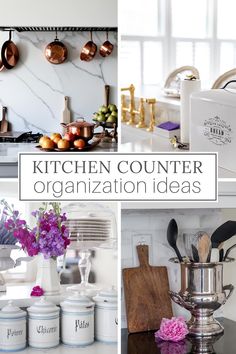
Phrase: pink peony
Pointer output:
(174, 329)
(37, 291)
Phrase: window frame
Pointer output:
(169, 42)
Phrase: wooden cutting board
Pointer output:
(4, 122)
(66, 114)
(146, 294)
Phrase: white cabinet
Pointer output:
(89, 13)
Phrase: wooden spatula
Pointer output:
(204, 246)
(146, 290)
(4, 122)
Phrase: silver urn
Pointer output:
(202, 292)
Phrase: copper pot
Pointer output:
(9, 54)
(81, 128)
(56, 52)
(106, 48)
(89, 50)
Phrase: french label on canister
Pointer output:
(14, 333)
(13, 336)
(81, 325)
(77, 329)
(44, 333)
(46, 330)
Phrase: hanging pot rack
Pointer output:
(59, 29)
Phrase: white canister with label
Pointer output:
(43, 324)
(106, 316)
(12, 328)
(77, 321)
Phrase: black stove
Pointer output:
(20, 137)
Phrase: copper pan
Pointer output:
(56, 52)
(9, 53)
(89, 50)
(106, 48)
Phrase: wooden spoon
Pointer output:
(204, 246)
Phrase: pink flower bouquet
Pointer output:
(49, 237)
(174, 329)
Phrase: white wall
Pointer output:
(84, 13)
(151, 225)
(34, 90)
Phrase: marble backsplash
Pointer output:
(34, 90)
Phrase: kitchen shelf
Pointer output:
(59, 29)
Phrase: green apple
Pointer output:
(101, 109)
(112, 107)
(111, 119)
(101, 118)
(104, 109)
(114, 114)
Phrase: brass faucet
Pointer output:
(131, 109)
(124, 109)
(141, 113)
(151, 102)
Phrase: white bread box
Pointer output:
(213, 124)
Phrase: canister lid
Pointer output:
(107, 295)
(12, 312)
(77, 302)
(43, 307)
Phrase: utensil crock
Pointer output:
(202, 292)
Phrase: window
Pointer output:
(176, 33)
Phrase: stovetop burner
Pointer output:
(24, 137)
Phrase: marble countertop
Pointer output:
(138, 140)
(95, 348)
(9, 151)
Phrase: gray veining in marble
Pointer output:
(34, 90)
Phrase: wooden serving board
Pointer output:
(146, 294)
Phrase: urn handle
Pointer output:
(22, 259)
(178, 299)
(230, 288)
